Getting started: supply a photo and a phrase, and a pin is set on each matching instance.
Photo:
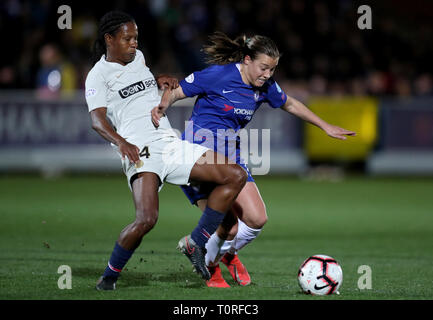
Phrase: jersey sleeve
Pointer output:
(276, 96)
(199, 82)
(96, 91)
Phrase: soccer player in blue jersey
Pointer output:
(238, 81)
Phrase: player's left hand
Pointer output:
(167, 82)
(337, 132)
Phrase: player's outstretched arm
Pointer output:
(298, 109)
(101, 125)
(168, 98)
(165, 81)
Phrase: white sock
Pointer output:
(213, 248)
(244, 236)
(228, 246)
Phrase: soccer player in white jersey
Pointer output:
(120, 93)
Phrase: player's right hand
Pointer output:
(157, 113)
(337, 132)
(129, 150)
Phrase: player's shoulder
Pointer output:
(224, 68)
(271, 81)
(220, 72)
(96, 73)
(271, 84)
(139, 54)
(218, 69)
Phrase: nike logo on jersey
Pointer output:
(227, 91)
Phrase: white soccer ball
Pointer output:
(320, 275)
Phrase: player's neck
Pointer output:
(109, 58)
(244, 77)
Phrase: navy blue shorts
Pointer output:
(195, 192)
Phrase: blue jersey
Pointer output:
(225, 102)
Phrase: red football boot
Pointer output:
(216, 280)
(237, 269)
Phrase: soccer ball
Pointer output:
(320, 275)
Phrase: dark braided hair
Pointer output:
(109, 23)
(224, 50)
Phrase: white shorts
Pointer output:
(170, 158)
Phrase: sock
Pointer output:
(228, 246)
(212, 250)
(119, 257)
(244, 236)
(207, 225)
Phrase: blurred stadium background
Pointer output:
(377, 82)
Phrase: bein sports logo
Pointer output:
(137, 87)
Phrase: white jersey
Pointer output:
(129, 93)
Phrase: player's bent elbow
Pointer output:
(96, 126)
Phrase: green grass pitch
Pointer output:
(384, 223)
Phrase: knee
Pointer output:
(145, 222)
(238, 176)
(258, 221)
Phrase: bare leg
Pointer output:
(229, 227)
(251, 211)
(230, 179)
(145, 195)
(248, 207)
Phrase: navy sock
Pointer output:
(119, 257)
(207, 225)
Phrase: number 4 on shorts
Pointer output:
(145, 152)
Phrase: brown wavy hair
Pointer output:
(223, 50)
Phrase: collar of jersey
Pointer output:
(116, 64)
